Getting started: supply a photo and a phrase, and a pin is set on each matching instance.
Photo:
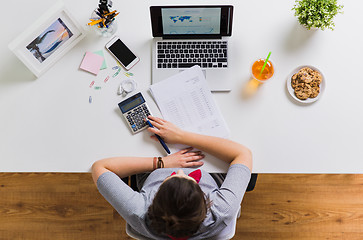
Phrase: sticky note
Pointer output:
(104, 65)
(91, 63)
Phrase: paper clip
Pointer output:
(128, 74)
(90, 99)
(97, 88)
(93, 82)
(106, 79)
(116, 73)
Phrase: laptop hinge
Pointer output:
(191, 37)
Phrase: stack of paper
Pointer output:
(186, 100)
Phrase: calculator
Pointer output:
(135, 110)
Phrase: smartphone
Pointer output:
(122, 53)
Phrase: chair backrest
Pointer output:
(132, 233)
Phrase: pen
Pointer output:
(93, 22)
(110, 13)
(159, 138)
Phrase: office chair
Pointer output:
(131, 181)
(227, 233)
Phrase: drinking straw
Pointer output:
(264, 65)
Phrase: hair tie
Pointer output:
(196, 175)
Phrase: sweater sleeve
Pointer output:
(228, 198)
(128, 203)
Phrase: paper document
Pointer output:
(186, 100)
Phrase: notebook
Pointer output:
(185, 36)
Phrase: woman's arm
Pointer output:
(224, 149)
(126, 166)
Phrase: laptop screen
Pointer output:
(191, 21)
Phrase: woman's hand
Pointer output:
(184, 159)
(168, 131)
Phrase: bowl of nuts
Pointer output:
(305, 84)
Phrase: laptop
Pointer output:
(185, 36)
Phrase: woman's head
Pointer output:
(179, 206)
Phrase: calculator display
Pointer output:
(135, 111)
(130, 103)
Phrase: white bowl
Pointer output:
(291, 90)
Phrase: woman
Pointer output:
(176, 201)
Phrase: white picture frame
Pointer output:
(50, 37)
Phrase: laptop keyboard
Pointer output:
(185, 54)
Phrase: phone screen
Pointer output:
(122, 52)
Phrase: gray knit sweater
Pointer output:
(133, 206)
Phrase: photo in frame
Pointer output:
(47, 39)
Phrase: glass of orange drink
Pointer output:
(267, 72)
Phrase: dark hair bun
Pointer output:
(178, 208)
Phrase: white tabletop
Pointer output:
(47, 124)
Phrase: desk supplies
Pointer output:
(135, 110)
(186, 100)
(105, 15)
(159, 138)
(92, 83)
(118, 68)
(103, 19)
(91, 63)
(104, 65)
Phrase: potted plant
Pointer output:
(317, 13)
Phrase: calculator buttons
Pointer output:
(135, 118)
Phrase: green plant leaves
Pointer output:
(317, 13)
